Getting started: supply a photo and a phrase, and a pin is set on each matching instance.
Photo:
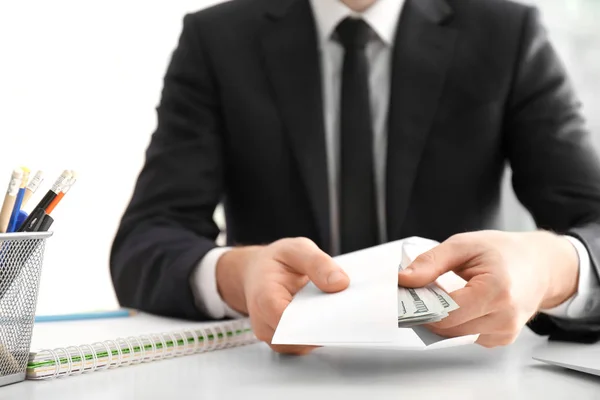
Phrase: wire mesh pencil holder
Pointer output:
(21, 259)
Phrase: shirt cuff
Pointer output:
(585, 302)
(204, 286)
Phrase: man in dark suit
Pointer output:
(327, 126)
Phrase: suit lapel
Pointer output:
(291, 58)
(422, 52)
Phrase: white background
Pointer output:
(79, 83)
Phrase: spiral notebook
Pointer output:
(76, 347)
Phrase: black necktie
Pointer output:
(358, 222)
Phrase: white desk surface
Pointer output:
(255, 372)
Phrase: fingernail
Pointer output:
(407, 271)
(336, 277)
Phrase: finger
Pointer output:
(292, 350)
(271, 303)
(294, 283)
(485, 339)
(475, 300)
(450, 255)
(487, 324)
(265, 334)
(262, 331)
(303, 256)
(497, 323)
(490, 341)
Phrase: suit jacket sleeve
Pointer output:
(556, 172)
(168, 226)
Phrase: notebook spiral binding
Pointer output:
(75, 360)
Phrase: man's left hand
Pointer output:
(510, 277)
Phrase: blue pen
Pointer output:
(120, 313)
(12, 222)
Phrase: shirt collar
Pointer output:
(382, 17)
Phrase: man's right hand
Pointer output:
(261, 280)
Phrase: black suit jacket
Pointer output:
(475, 84)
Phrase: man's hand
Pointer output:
(510, 276)
(261, 281)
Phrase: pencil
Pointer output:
(12, 223)
(119, 313)
(60, 183)
(47, 199)
(32, 187)
(63, 192)
(9, 199)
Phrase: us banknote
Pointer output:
(423, 305)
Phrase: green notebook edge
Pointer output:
(32, 365)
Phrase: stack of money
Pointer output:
(417, 306)
(423, 305)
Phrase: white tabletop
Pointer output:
(255, 372)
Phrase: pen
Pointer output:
(32, 187)
(21, 218)
(9, 199)
(45, 202)
(63, 192)
(45, 223)
(33, 221)
(12, 223)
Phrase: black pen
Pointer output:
(33, 222)
(45, 224)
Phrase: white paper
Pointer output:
(408, 339)
(367, 311)
(365, 314)
(49, 335)
(403, 339)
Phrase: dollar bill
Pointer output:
(424, 305)
(419, 305)
(444, 298)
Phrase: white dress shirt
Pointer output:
(382, 17)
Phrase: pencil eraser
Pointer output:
(17, 173)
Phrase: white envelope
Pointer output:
(365, 315)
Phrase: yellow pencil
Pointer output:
(9, 199)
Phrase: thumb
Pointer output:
(451, 255)
(303, 256)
